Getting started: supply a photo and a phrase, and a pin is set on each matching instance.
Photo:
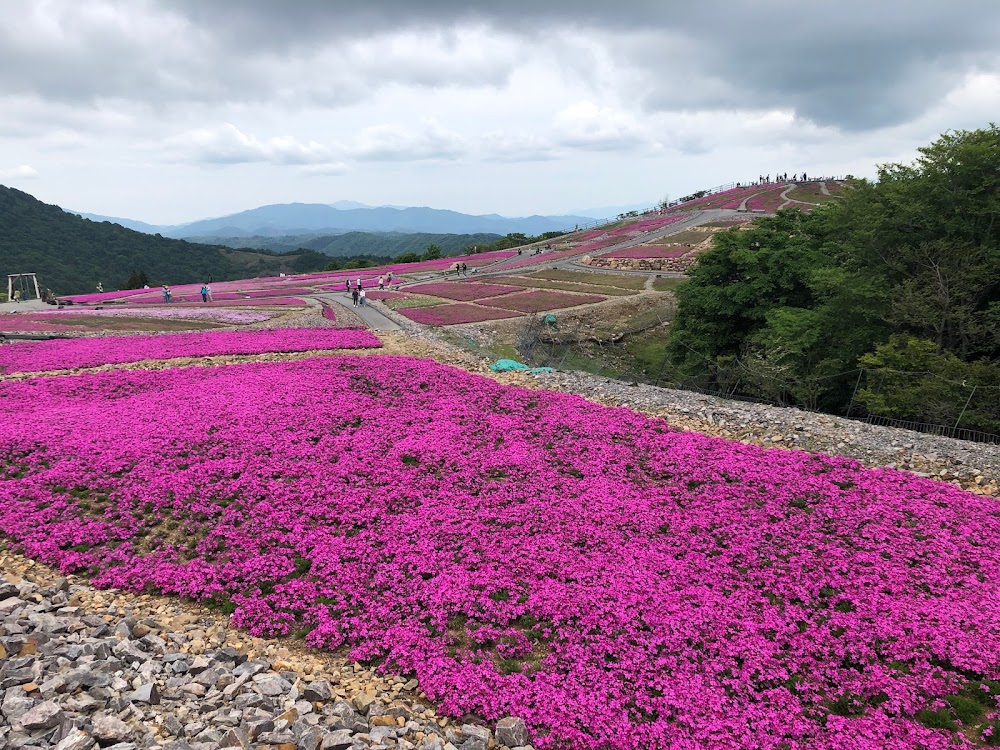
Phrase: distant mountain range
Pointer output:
(347, 216)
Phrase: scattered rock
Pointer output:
(512, 732)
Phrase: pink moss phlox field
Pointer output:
(21, 324)
(89, 299)
(42, 356)
(616, 583)
(328, 312)
(541, 299)
(463, 291)
(165, 312)
(386, 295)
(446, 315)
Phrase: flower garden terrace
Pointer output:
(617, 583)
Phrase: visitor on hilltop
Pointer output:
(361, 297)
(204, 293)
(354, 296)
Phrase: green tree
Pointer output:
(790, 309)
(433, 252)
(136, 280)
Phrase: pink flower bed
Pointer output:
(463, 290)
(17, 324)
(446, 315)
(328, 312)
(618, 584)
(165, 312)
(546, 257)
(649, 251)
(42, 356)
(768, 201)
(386, 295)
(97, 297)
(542, 299)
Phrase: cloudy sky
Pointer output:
(174, 110)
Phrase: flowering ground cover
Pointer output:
(446, 315)
(213, 314)
(539, 300)
(568, 286)
(385, 295)
(618, 584)
(463, 291)
(42, 356)
(328, 312)
(649, 251)
(96, 297)
(768, 201)
(21, 324)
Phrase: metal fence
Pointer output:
(585, 347)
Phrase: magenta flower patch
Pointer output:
(41, 356)
(618, 584)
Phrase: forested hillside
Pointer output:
(353, 244)
(71, 254)
(888, 300)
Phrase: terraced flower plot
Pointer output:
(463, 291)
(618, 584)
(45, 356)
(540, 300)
(446, 315)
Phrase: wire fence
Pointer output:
(612, 353)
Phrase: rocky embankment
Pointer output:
(82, 669)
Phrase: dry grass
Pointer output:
(667, 284)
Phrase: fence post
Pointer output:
(850, 406)
(969, 401)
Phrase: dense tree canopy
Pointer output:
(888, 299)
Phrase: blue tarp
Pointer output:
(509, 365)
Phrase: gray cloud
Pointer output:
(854, 64)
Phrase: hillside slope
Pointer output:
(71, 254)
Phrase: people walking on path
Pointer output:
(166, 294)
(361, 296)
(204, 293)
(347, 285)
(208, 291)
(381, 282)
(354, 296)
(359, 282)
